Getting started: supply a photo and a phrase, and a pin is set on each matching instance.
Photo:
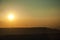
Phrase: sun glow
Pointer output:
(10, 16)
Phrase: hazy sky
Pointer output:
(33, 8)
(30, 8)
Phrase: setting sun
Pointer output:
(10, 16)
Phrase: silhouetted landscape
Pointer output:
(29, 33)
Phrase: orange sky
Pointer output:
(47, 22)
(30, 13)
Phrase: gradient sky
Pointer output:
(35, 8)
(31, 8)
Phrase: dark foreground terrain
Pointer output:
(41, 33)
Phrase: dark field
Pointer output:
(40, 33)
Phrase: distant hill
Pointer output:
(34, 30)
(35, 33)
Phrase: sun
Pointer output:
(10, 16)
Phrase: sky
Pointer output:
(31, 9)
